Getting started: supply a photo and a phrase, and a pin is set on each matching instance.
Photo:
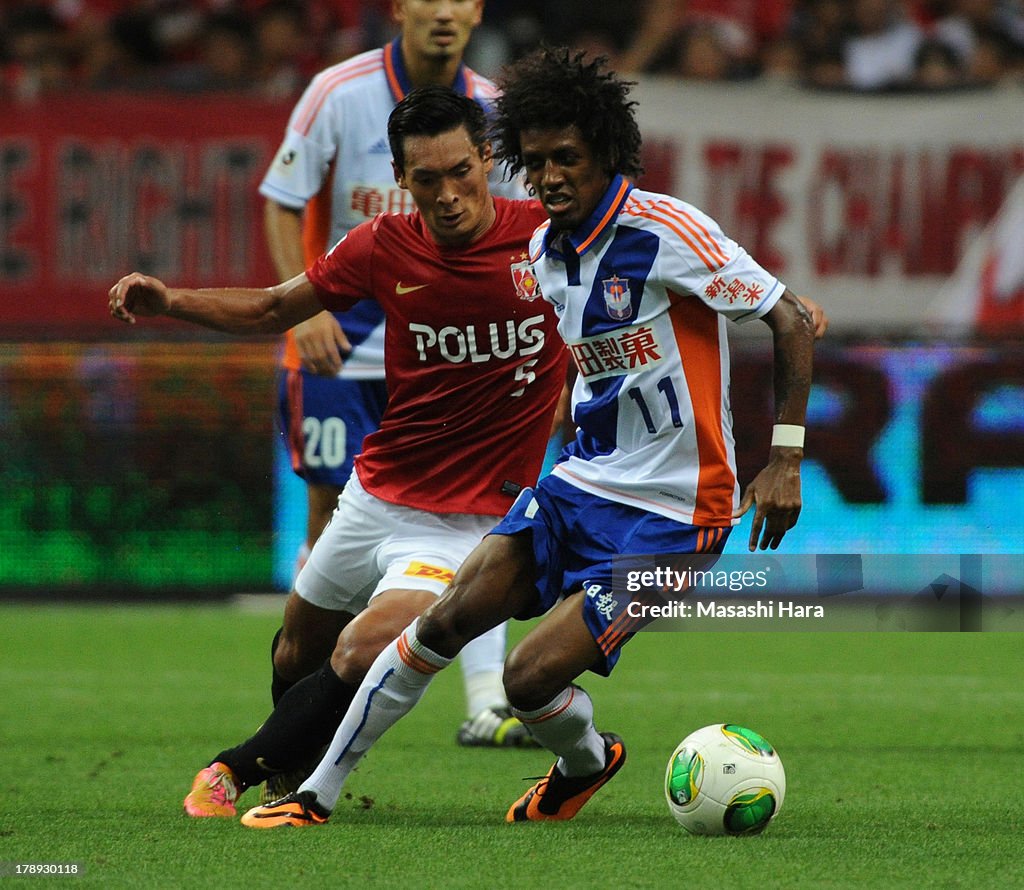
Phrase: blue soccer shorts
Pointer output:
(576, 536)
(324, 421)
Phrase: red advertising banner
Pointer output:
(92, 187)
(868, 204)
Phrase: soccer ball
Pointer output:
(724, 779)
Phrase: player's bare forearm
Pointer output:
(775, 491)
(234, 310)
(793, 334)
(282, 227)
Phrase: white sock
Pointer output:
(565, 725)
(392, 686)
(482, 661)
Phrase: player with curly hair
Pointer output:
(643, 284)
(597, 102)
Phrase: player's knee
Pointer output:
(349, 660)
(443, 631)
(355, 651)
(527, 686)
(292, 659)
(307, 637)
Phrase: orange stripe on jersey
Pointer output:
(293, 395)
(612, 632)
(554, 713)
(692, 225)
(624, 624)
(618, 627)
(345, 73)
(696, 331)
(477, 86)
(316, 221)
(542, 231)
(316, 226)
(711, 540)
(616, 632)
(392, 75)
(708, 538)
(290, 358)
(690, 238)
(613, 210)
(412, 659)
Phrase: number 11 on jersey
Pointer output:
(668, 390)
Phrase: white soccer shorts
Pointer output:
(371, 545)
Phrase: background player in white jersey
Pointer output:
(642, 284)
(475, 368)
(331, 173)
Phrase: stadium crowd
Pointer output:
(271, 48)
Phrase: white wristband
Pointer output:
(788, 435)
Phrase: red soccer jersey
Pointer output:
(474, 363)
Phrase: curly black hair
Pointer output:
(553, 88)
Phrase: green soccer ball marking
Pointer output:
(748, 740)
(685, 776)
(749, 812)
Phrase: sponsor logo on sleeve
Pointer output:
(732, 290)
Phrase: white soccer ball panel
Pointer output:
(724, 779)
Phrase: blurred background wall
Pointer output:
(868, 153)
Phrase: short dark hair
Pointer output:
(430, 111)
(553, 88)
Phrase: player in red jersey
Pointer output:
(331, 173)
(474, 370)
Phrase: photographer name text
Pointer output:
(713, 609)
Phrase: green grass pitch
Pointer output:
(903, 755)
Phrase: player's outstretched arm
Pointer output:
(775, 491)
(234, 310)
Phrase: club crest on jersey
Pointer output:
(616, 297)
(525, 282)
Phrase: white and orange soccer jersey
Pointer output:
(335, 162)
(642, 291)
